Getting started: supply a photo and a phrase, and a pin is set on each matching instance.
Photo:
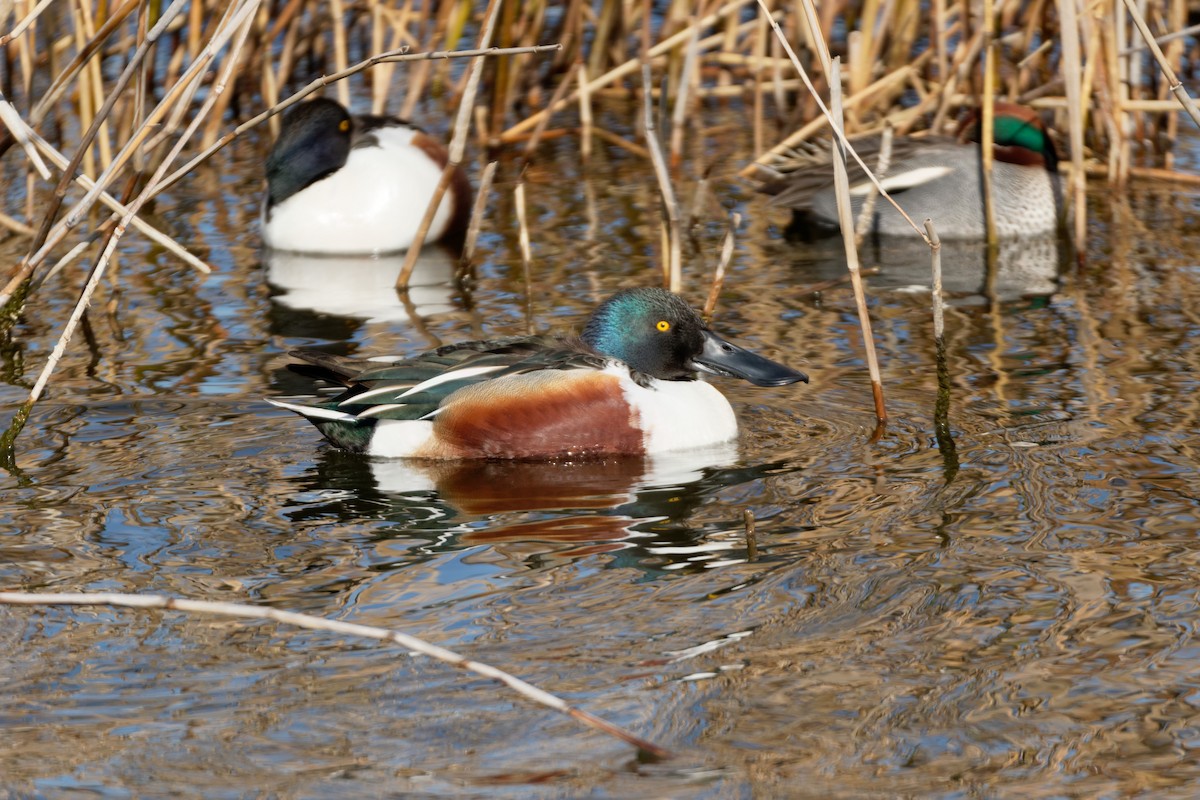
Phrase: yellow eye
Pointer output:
(344, 125)
(663, 325)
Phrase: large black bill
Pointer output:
(723, 358)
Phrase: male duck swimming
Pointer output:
(359, 184)
(626, 386)
(940, 177)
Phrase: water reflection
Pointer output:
(561, 509)
(362, 287)
(1024, 266)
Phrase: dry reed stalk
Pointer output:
(585, 114)
(620, 141)
(841, 183)
(760, 52)
(48, 237)
(477, 210)
(941, 406)
(325, 80)
(673, 267)
(338, 17)
(1072, 74)
(714, 291)
(625, 69)
(12, 120)
(840, 135)
(458, 143)
(147, 230)
(310, 622)
(866, 213)
(807, 130)
(43, 241)
(1174, 85)
(526, 253)
(536, 136)
(25, 23)
(96, 81)
(939, 307)
(683, 96)
(237, 29)
(17, 227)
(987, 131)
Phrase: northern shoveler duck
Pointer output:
(344, 184)
(939, 177)
(626, 386)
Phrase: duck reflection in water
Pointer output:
(527, 508)
(362, 287)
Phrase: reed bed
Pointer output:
(101, 98)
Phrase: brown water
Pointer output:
(1010, 617)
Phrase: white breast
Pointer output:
(678, 415)
(373, 204)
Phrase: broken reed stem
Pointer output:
(941, 406)
(935, 250)
(674, 249)
(311, 622)
(1173, 83)
(751, 539)
(481, 196)
(841, 185)
(458, 143)
(710, 305)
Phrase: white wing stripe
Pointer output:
(904, 180)
(453, 375)
(313, 412)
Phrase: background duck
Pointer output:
(626, 386)
(346, 184)
(938, 177)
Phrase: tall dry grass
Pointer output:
(109, 102)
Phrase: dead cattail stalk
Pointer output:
(846, 220)
(310, 622)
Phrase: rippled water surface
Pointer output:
(1009, 611)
